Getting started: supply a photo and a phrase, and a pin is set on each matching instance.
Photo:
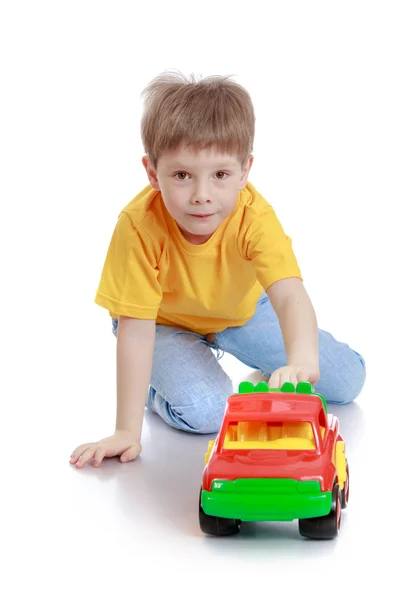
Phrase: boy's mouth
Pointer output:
(201, 216)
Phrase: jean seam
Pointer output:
(240, 355)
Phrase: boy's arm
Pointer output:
(299, 328)
(135, 345)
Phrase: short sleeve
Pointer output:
(270, 249)
(129, 281)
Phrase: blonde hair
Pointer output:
(212, 112)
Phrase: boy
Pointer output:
(198, 261)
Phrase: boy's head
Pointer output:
(198, 138)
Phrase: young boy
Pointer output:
(198, 261)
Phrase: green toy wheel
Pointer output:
(217, 525)
(327, 527)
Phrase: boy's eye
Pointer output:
(184, 174)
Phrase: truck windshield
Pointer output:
(288, 435)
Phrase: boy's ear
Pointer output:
(246, 171)
(151, 173)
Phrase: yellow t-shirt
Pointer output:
(152, 272)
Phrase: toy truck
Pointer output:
(278, 456)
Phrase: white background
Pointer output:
(324, 78)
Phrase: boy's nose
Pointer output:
(201, 196)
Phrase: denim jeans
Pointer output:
(189, 388)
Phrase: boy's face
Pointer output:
(199, 189)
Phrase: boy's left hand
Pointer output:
(295, 374)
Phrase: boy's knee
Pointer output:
(209, 422)
(204, 415)
(350, 379)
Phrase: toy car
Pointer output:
(278, 456)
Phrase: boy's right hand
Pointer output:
(120, 444)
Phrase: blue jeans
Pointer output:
(189, 388)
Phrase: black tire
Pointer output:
(217, 525)
(346, 489)
(327, 527)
